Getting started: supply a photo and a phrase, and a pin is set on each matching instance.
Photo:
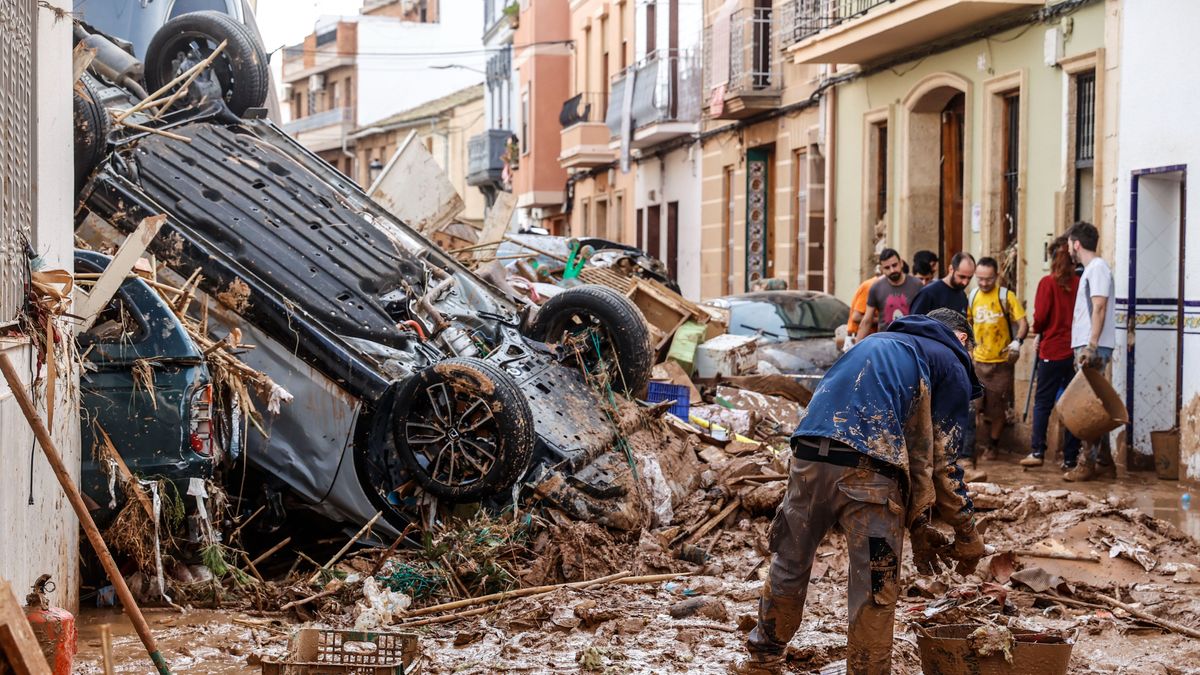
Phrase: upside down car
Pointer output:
(411, 376)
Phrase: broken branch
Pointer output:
(338, 556)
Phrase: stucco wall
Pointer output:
(38, 531)
(1156, 131)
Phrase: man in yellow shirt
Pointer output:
(1000, 327)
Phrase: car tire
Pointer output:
(622, 325)
(490, 413)
(241, 69)
(91, 131)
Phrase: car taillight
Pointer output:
(201, 422)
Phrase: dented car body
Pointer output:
(410, 375)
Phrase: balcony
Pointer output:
(666, 98)
(861, 31)
(585, 136)
(485, 157)
(323, 130)
(742, 75)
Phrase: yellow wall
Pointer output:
(1018, 53)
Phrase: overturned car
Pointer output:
(411, 376)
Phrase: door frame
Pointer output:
(1180, 302)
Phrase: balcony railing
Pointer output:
(800, 19)
(666, 88)
(318, 120)
(485, 157)
(583, 107)
(752, 57)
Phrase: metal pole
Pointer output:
(85, 518)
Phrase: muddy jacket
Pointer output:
(902, 397)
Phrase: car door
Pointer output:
(145, 385)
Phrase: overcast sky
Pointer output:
(286, 22)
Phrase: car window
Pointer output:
(188, 6)
(117, 324)
(789, 316)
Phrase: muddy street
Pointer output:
(697, 623)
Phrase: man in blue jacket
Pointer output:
(875, 454)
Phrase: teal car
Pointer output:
(144, 384)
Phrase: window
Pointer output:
(602, 87)
(525, 123)
(328, 37)
(621, 39)
(881, 171)
(189, 6)
(616, 228)
(1085, 143)
(600, 227)
(673, 238)
(312, 102)
(1009, 214)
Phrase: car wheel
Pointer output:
(464, 429)
(620, 332)
(240, 70)
(91, 131)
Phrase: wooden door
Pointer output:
(950, 234)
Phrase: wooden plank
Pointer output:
(17, 641)
(122, 263)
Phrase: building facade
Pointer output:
(1158, 282)
(986, 127)
(444, 126)
(541, 62)
(393, 56)
(39, 531)
(493, 151)
(763, 202)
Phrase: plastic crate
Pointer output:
(326, 651)
(657, 392)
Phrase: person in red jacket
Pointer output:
(1053, 308)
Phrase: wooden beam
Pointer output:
(122, 264)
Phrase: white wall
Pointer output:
(388, 84)
(675, 178)
(1157, 129)
(42, 537)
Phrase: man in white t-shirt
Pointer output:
(1093, 335)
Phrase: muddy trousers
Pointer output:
(866, 506)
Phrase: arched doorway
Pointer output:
(935, 156)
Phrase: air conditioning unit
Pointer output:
(316, 82)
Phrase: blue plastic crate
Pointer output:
(657, 392)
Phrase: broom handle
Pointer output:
(85, 518)
(1032, 378)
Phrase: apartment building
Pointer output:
(494, 150)
(627, 126)
(393, 56)
(764, 153)
(444, 126)
(541, 62)
(963, 125)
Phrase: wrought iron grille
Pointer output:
(1085, 117)
(18, 131)
(800, 19)
(1012, 150)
